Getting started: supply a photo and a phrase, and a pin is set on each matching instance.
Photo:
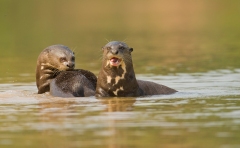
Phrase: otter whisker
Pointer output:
(75, 53)
(74, 49)
(100, 58)
(107, 40)
(125, 40)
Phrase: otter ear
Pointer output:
(102, 48)
(130, 49)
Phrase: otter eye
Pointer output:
(63, 59)
(121, 47)
(108, 48)
(73, 58)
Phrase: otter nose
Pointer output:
(114, 51)
(70, 65)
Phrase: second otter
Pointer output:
(117, 76)
(55, 74)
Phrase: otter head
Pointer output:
(116, 54)
(117, 77)
(56, 57)
(50, 62)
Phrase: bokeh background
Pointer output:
(168, 36)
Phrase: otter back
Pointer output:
(77, 83)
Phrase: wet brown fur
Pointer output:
(121, 81)
(55, 74)
(50, 62)
(75, 83)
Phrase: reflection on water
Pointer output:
(204, 113)
(118, 104)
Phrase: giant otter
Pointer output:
(55, 74)
(117, 77)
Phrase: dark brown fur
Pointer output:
(76, 83)
(55, 74)
(50, 62)
(120, 80)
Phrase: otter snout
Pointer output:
(70, 65)
(114, 51)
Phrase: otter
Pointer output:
(55, 73)
(117, 77)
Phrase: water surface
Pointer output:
(204, 113)
(191, 46)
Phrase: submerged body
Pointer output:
(55, 71)
(76, 83)
(117, 76)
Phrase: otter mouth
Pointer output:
(114, 61)
(69, 69)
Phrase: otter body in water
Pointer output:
(117, 76)
(55, 73)
(75, 83)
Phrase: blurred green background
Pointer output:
(168, 36)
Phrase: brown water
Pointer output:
(192, 46)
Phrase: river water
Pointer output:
(204, 113)
(191, 46)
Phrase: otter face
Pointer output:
(116, 53)
(65, 61)
(59, 57)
